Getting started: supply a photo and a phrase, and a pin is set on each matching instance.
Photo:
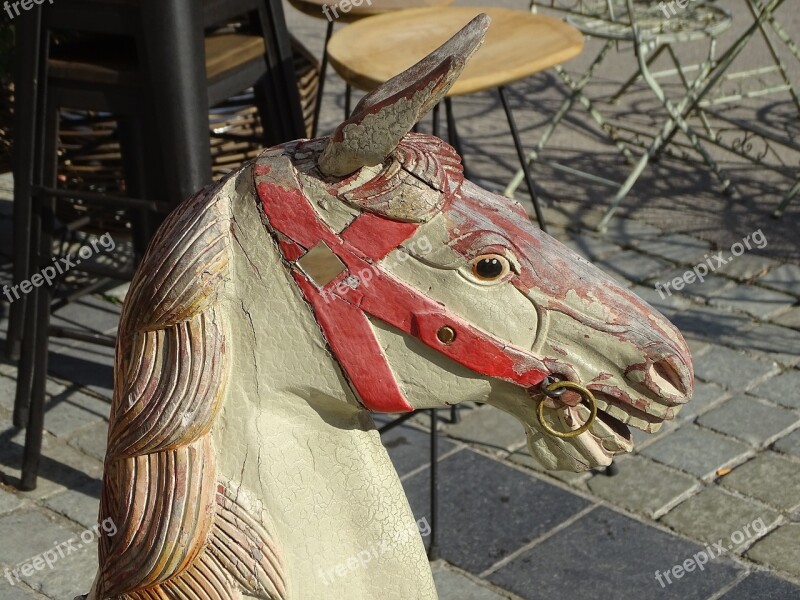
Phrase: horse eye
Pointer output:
(490, 267)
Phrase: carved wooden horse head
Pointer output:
(331, 278)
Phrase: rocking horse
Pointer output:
(328, 279)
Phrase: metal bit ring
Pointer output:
(563, 386)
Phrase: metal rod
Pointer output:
(523, 161)
(323, 69)
(433, 549)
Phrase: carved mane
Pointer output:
(181, 534)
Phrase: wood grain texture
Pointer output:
(179, 534)
(519, 44)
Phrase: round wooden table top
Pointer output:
(349, 11)
(518, 44)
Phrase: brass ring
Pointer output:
(585, 394)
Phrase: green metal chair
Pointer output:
(644, 27)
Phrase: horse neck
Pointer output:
(292, 439)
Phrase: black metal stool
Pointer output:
(162, 97)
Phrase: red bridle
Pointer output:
(342, 307)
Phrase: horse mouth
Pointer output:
(609, 433)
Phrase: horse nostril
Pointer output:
(664, 374)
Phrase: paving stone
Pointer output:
(73, 410)
(712, 325)
(592, 248)
(789, 444)
(666, 304)
(785, 278)
(751, 420)
(9, 501)
(769, 477)
(697, 451)
(16, 593)
(790, 318)
(643, 486)
(759, 302)
(710, 287)
(61, 466)
(8, 387)
(696, 347)
(763, 586)
(27, 533)
(732, 369)
(409, 448)
(770, 339)
(91, 367)
(676, 247)
(779, 550)
(524, 458)
(642, 439)
(92, 440)
(90, 313)
(481, 523)
(627, 232)
(783, 389)
(633, 266)
(80, 504)
(622, 556)
(452, 585)
(705, 395)
(71, 576)
(490, 429)
(747, 267)
(717, 516)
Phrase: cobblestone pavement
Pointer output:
(723, 479)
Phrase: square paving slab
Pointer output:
(697, 451)
(769, 477)
(751, 420)
(644, 486)
(625, 556)
(780, 549)
(714, 515)
(487, 509)
(763, 586)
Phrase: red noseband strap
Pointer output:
(343, 305)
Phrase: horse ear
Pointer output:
(388, 113)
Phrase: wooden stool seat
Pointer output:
(95, 62)
(519, 44)
(360, 8)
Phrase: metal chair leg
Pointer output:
(348, 99)
(323, 69)
(27, 116)
(787, 199)
(433, 549)
(35, 427)
(524, 164)
(576, 91)
(452, 134)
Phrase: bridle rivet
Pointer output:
(446, 335)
